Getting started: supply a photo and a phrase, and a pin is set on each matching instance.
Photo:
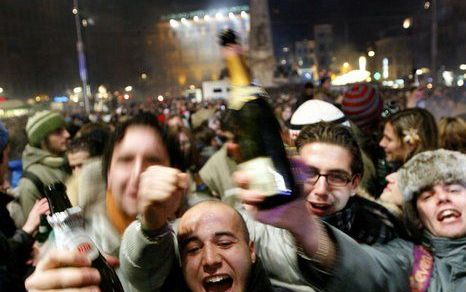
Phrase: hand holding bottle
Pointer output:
(32, 223)
(63, 270)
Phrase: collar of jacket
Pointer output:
(443, 247)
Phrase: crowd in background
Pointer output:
(390, 127)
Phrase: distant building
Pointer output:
(324, 40)
(397, 52)
(183, 50)
(305, 53)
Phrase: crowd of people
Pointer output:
(381, 204)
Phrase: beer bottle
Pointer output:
(256, 130)
(68, 227)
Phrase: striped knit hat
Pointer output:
(41, 124)
(362, 104)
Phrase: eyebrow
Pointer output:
(333, 170)
(185, 239)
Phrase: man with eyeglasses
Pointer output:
(334, 166)
(335, 169)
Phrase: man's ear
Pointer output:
(354, 184)
(252, 251)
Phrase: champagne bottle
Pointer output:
(44, 229)
(257, 131)
(68, 227)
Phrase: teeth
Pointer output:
(216, 279)
(448, 213)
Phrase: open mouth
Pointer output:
(448, 215)
(218, 283)
(320, 208)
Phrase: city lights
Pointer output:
(426, 5)
(371, 53)
(184, 21)
(362, 63)
(143, 76)
(128, 88)
(385, 71)
(75, 11)
(1, 90)
(77, 90)
(244, 14)
(207, 17)
(407, 23)
(231, 15)
(219, 16)
(463, 67)
(160, 98)
(126, 96)
(460, 82)
(174, 23)
(196, 18)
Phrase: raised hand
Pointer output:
(161, 190)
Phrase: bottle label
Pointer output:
(264, 177)
(68, 227)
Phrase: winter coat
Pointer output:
(46, 166)
(388, 267)
(15, 250)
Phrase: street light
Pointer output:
(371, 53)
(1, 90)
(81, 56)
(407, 23)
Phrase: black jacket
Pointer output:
(15, 250)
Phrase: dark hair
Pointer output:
(144, 120)
(422, 122)
(336, 134)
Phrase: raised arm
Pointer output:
(148, 251)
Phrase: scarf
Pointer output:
(116, 216)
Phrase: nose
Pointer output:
(321, 186)
(211, 259)
(136, 171)
(66, 134)
(382, 143)
(442, 195)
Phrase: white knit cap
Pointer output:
(314, 111)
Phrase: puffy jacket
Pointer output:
(47, 167)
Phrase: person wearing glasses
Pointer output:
(334, 170)
(332, 159)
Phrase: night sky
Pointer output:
(357, 21)
(39, 39)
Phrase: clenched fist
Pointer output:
(161, 190)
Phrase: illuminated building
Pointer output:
(184, 50)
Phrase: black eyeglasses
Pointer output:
(335, 179)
